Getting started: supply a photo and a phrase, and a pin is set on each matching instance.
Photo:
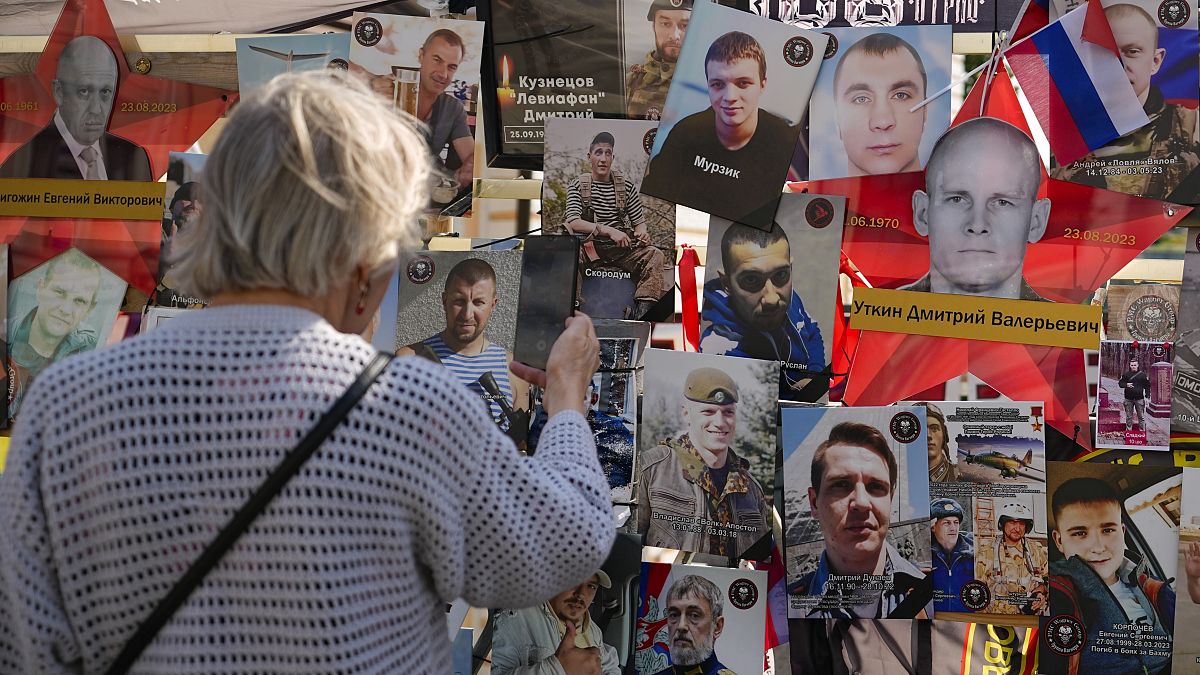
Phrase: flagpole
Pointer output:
(950, 86)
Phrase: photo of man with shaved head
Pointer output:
(979, 216)
(76, 144)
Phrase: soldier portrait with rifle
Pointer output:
(604, 207)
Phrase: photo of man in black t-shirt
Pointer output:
(731, 158)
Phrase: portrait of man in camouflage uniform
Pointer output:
(646, 83)
(1017, 570)
(694, 493)
(1152, 161)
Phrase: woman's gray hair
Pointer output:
(313, 175)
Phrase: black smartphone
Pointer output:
(549, 272)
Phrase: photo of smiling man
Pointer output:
(1115, 532)
(861, 119)
(980, 216)
(856, 501)
(706, 462)
(732, 115)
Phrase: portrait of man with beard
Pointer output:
(695, 620)
(646, 83)
(468, 300)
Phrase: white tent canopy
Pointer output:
(146, 17)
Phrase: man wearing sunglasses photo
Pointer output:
(751, 310)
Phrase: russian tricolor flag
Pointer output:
(1071, 73)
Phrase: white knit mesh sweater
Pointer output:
(126, 462)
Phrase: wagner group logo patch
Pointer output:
(819, 213)
(743, 594)
(974, 595)
(420, 269)
(1064, 635)
(797, 51)
(905, 427)
(831, 47)
(1174, 13)
(368, 31)
(1150, 318)
(338, 64)
(648, 140)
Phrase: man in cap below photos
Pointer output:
(979, 216)
(555, 637)
(753, 311)
(941, 469)
(953, 555)
(695, 620)
(875, 85)
(694, 493)
(746, 150)
(1168, 144)
(647, 83)
(1098, 584)
(1017, 572)
(853, 484)
(605, 206)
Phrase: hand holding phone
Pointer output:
(549, 272)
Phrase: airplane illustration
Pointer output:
(1008, 465)
(290, 57)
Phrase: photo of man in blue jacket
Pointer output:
(953, 555)
(750, 309)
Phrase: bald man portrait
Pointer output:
(76, 144)
(979, 216)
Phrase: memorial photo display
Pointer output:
(592, 189)
(856, 513)
(733, 114)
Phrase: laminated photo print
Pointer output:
(987, 490)
(1143, 312)
(706, 453)
(771, 294)
(733, 114)
(428, 68)
(1185, 396)
(182, 210)
(860, 119)
(592, 189)
(856, 513)
(1114, 547)
(261, 58)
(700, 619)
(1157, 40)
(1187, 607)
(612, 402)
(1133, 405)
(459, 309)
(526, 640)
(65, 306)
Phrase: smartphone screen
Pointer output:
(548, 277)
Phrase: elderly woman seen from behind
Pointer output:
(126, 461)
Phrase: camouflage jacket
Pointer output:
(646, 87)
(1150, 162)
(678, 506)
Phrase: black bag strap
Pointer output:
(245, 515)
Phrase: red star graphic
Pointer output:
(1093, 233)
(159, 115)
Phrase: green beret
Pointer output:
(709, 385)
(667, 5)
